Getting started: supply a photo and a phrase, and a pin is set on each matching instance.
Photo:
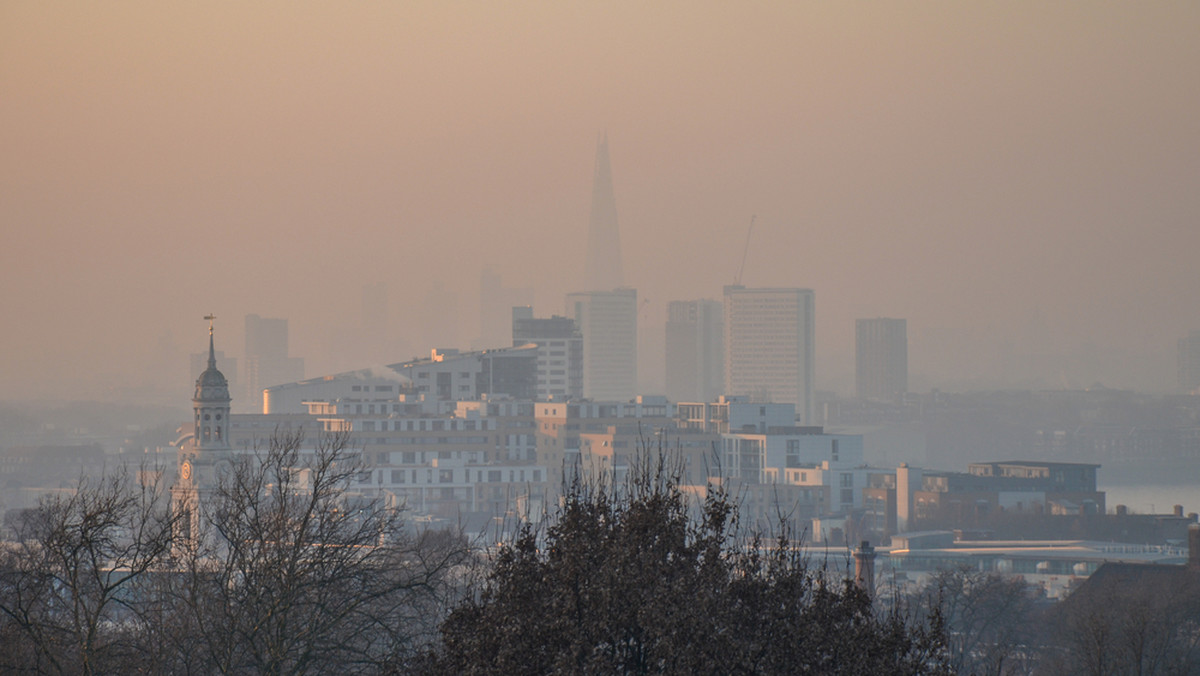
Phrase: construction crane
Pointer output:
(737, 281)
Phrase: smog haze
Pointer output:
(1017, 180)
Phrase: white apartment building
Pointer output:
(447, 375)
(733, 414)
(608, 322)
(559, 352)
(800, 457)
(769, 346)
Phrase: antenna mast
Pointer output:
(745, 250)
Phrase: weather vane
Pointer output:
(210, 318)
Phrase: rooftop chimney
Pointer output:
(864, 565)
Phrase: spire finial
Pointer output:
(212, 355)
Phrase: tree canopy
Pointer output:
(628, 580)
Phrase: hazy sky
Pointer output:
(1020, 180)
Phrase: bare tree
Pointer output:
(991, 620)
(1138, 620)
(292, 574)
(72, 581)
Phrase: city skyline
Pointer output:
(1014, 180)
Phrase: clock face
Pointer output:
(186, 470)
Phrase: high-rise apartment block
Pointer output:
(881, 358)
(608, 322)
(769, 346)
(559, 352)
(266, 361)
(1189, 362)
(695, 350)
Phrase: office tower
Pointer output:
(496, 303)
(266, 360)
(603, 268)
(881, 358)
(695, 350)
(608, 322)
(559, 352)
(1189, 362)
(769, 344)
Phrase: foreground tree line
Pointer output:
(290, 573)
(282, 572)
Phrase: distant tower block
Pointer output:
(608, 322)
(603, 269)
(695, 350)
(266, 361)
(769, 346)
(881, 358)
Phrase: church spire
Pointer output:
(212, 354)
(212, 385)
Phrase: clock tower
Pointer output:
(208, 447)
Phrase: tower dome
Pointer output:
(211, 404)
(211, 386)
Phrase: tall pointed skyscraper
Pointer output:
(603, 269)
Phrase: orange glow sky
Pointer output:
(1020, 180)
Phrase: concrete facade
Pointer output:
(769, 346)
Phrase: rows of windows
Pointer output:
(446, 476)
(433, 425)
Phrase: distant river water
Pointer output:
(1148, 488)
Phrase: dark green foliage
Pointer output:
(627, 582)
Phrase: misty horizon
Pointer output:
(1016, 181)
